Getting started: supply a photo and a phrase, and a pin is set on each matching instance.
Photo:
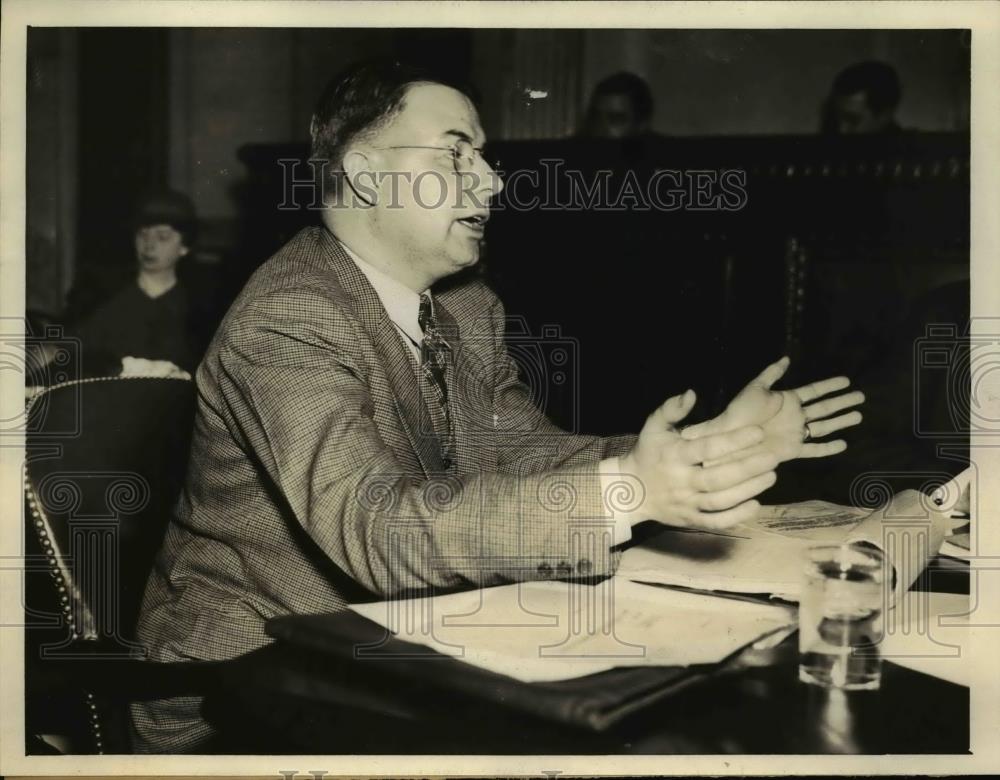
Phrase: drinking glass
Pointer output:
(840, 617)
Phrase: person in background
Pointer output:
(621, 106)
(863, 101)
(150, 318)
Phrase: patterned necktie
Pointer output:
(434, 355)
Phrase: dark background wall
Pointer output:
(115, 112)
(750, 82)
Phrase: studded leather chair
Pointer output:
(105, 460)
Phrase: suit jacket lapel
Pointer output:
(410, 407)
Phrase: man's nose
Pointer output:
(491, 184)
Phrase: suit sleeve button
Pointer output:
(584, 566)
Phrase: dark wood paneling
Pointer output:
(123, 126)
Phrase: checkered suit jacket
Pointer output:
(316, 478)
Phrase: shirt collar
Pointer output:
(401, 303)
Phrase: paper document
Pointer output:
(544, 631)
(815, 521)
(929, 632)
(909, 530)
(764, 563)
(957, 545)
(767, 555)
(955, 498)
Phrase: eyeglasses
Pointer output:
(463, 154)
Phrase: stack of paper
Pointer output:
(539, 631)
(767, 556)
(762, 564)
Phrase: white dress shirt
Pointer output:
(400, 302)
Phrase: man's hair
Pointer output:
(362, 100)
(878, 80)
(630, 85)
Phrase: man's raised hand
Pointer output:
(679, 489)
(791, 419)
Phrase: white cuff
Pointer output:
(622, 495)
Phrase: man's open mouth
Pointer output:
(478, 221)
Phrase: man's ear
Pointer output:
(360, 177)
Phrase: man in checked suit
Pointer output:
(362, 432)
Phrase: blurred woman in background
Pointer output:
(150, 318)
